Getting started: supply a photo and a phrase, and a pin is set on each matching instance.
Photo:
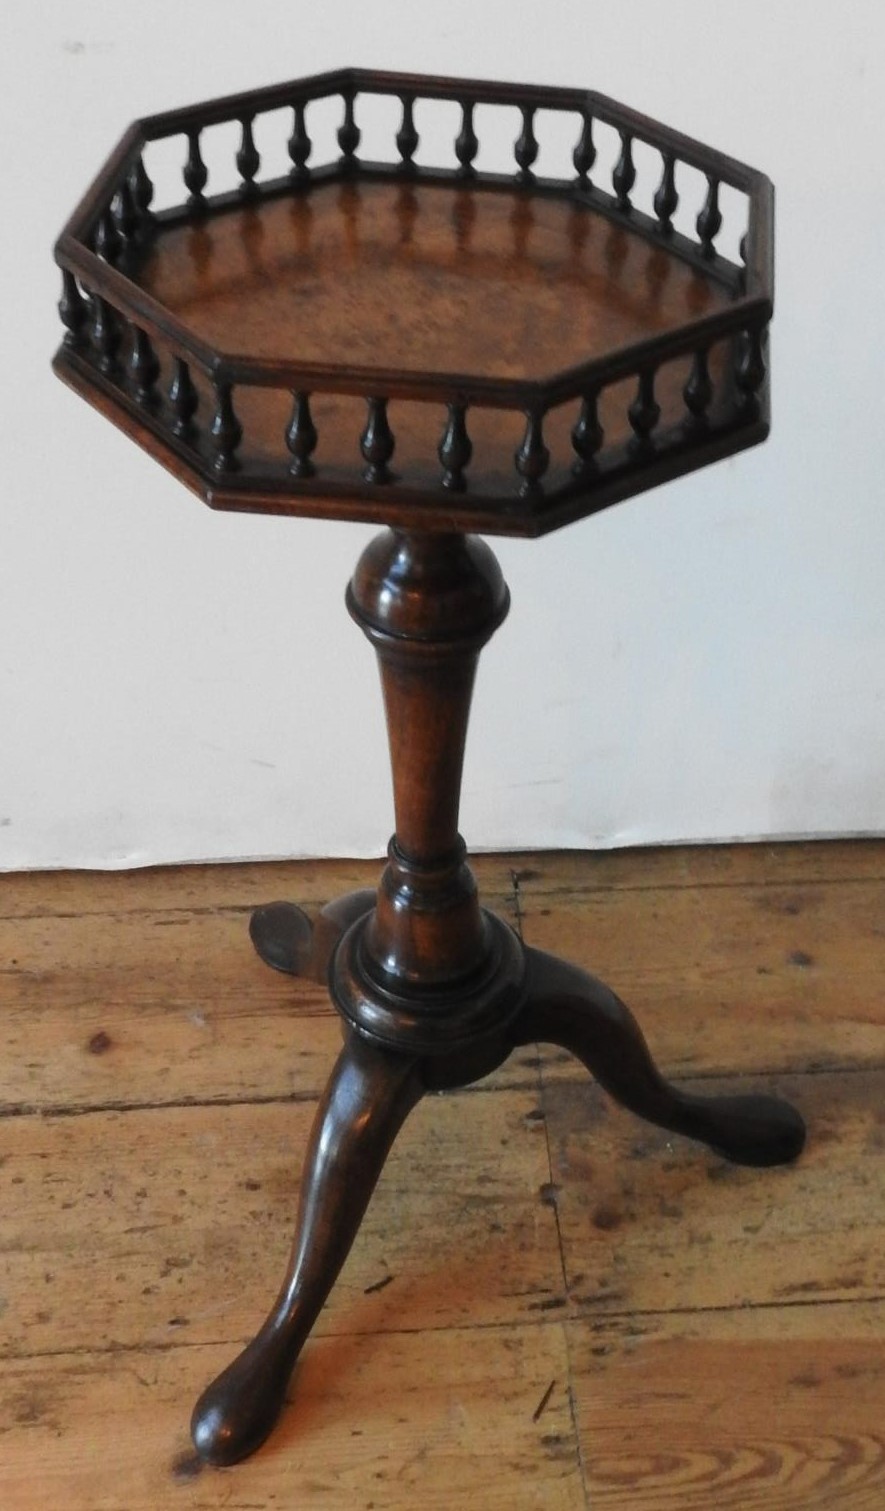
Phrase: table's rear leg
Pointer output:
(285, 938)
(569, 1007)
(369, 1095)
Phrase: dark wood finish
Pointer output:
(478, 281)
(349, 133)
(493, 310)
(104, 334)
(709, 220)
(183, 398)
(435, 991)
(588, 434)
(467, 141)
(666, 199)
(407, 136)
(526, 147)
(126, 212)
(624, 175)
(698, 390)
(584, 155)
(583, 351)
(285, 938)
(569, 1007)
(144, 368)
(225, 432)
(645, 412)
(428, 969)
(455, 448)
(377, 443)
(299, 146)
(370, 1094)
(142, 188)
(301, 437)
(248, 159)
(533, 457)
(196, 174)
(72, 308)
(368, 1098)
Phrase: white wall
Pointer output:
(706, 661)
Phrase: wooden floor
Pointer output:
(550, 1304)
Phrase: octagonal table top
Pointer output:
(439, 348)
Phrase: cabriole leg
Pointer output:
(569, 1007)
(368, 1098)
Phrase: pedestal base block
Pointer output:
(460, 1031)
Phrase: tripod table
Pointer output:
(449, 352)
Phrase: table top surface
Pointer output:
(416, 278)
(436, 348)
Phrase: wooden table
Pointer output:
(270, 346)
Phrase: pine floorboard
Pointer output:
(550, 1304)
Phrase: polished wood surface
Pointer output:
(428, 344)
(364, 1106)
(626, 352)
(427, 607)
(485, 282)
(153, 1114)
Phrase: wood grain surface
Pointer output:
(549, 1304)
(394, 271)
(402, 270)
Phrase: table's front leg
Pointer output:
(369, 1096)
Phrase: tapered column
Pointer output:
(428, 603)
(428, 966)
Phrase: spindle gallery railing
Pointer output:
(115, 328)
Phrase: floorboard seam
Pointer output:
(205, 910)
(239, 1340)
(584, 1310)
(578, 1318)
(282, 1098)
(572, 1401)
(581, 890)
(540, 1089)
(297, 1098)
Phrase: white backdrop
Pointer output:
(704, 662)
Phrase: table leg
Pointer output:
(285, 938)
(569, 1007)
(369, 1096)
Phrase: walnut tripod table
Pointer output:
(265, 343)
